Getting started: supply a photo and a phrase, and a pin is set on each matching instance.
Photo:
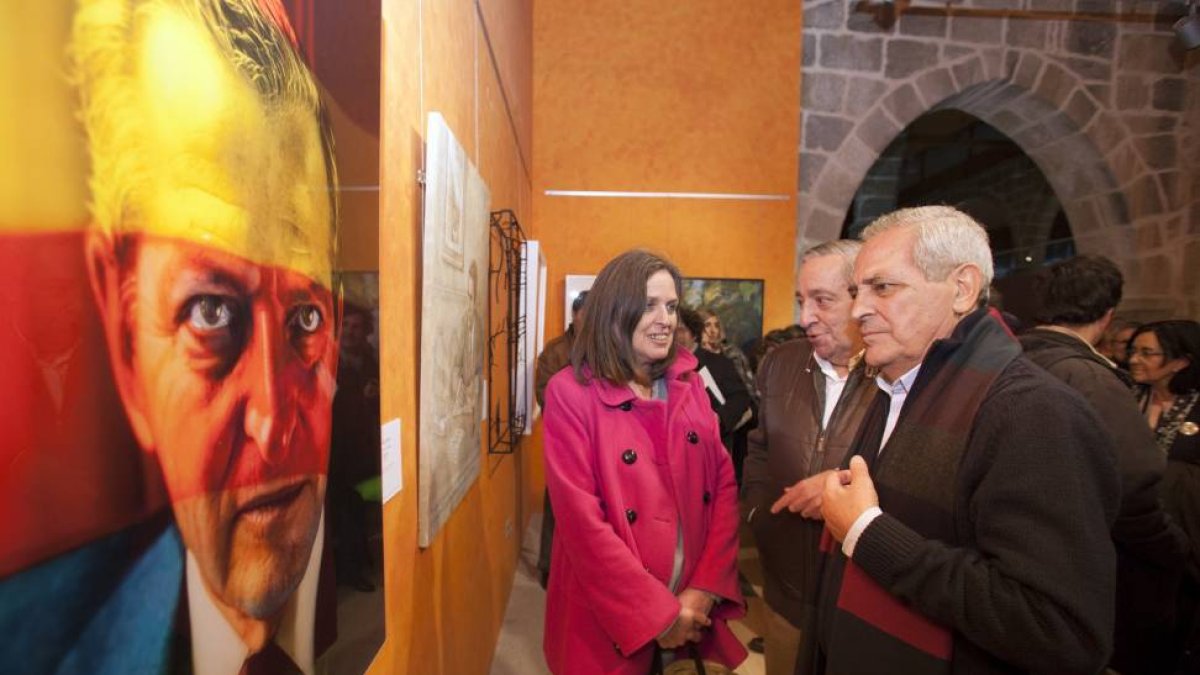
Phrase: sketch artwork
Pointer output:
(453, 327)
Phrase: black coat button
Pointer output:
(627, 406)
(629, 456)
(631, 516)
(707, 497)
(693, 437)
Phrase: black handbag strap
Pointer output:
(656, 662)
(695, 654)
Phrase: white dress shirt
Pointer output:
(217, 649)
(834, 384)
(898, 391)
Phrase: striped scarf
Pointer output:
(863, 628)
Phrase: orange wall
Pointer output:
(700, 96)
(649, 96)
(445, 604)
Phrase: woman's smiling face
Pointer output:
(656, 329)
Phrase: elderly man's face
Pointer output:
(824, 297)
(900, 313)
(225, 354)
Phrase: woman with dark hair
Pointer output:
(713, 342)
(1164, 358)
(645, 547)
(712, 339)
(726, 392)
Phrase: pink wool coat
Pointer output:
(623, 475)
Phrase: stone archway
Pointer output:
(1092, 104)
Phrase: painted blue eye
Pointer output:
(210, 313)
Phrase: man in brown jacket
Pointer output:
(813, 398)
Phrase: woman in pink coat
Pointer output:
(645, 550)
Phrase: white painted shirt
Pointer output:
(217, 649)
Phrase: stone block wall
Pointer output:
(1098, 94)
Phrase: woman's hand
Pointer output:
(694, 607)
(686, 628)
(700, 602)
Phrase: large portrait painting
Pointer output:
(453, 327)
(170, 332)
(737, 302)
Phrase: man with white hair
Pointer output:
(970, 531)
(814, 395)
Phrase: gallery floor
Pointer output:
(519, 650)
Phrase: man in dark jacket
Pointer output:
(972, 524)
(813, 397)
(1078, 298)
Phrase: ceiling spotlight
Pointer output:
(1187, 29)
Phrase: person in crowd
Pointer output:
(814, 395)
(554, 357)
(970, 531)
(1164, 359)
(767, 343)
(1077, 299)
(645, 545)
(713, 341)
(1115, 343)
(726, 393)
(354, 454)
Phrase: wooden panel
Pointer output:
(700, 96)
(445, 604)
(510, 26)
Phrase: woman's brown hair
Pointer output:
(614, 306)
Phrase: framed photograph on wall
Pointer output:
(575, 284)
(737, 302)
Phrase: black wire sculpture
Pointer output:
(507, 279)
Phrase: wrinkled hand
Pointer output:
(699, 601)
(847, 495)
(804, 497)
(693, 617)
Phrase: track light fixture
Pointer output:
(1187, 29)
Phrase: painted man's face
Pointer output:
(223, 343)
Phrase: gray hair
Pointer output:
(846, 248)
(946, 238)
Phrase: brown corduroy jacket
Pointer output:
(789, 445)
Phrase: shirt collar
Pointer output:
(828, 369)
(901, 385)
(216, 646)
(1067, 331)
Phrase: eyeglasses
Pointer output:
(1144, 354)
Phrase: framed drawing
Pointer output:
(453, 328)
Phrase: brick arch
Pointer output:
(1104, 107)
(1047, 113)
